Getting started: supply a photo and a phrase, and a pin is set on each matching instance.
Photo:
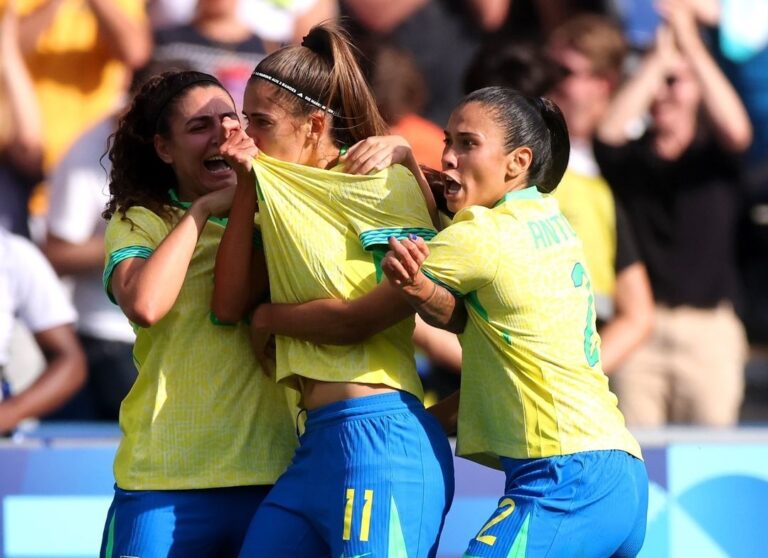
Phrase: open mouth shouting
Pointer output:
(216, 165)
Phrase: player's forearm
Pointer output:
(147, 289)
(435, 304)
(233, 281)
(335, 321)
(413, 165)
(446, 411)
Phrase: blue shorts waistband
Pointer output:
(362, 407)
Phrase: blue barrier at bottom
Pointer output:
(707, 495)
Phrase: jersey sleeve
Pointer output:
(135, 236)
(389, 203)
(465, 256)
(40, 299)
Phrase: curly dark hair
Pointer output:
(139, 177)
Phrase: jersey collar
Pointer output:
(186, 205)
(530, 193)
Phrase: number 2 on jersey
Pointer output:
(509, 505)
(580, 278)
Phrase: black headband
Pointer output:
(292, 89)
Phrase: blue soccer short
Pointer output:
(209, 523)
(372, 477)
(590, 504)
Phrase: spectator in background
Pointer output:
(536, 19)
(589, 51)
(515, 63)
(80, 54)
(216, 42)
(30, 291)
(401, 93)
(679, 183)
(21, 152)
(276, 22)
(740, 39)
(442, 36)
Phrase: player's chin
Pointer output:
(220, 181)
(454, 203)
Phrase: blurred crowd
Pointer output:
(667, 108)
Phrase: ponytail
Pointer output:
(323, 73)
(560, 145)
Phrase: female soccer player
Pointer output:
(205, 433)
(373, 474)
(534, 400)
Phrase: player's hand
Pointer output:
(403, 262)
(376, 153)
(237, 148)
(218, 202)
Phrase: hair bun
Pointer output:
(318, 40)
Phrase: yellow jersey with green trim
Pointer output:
(201, 413)
(531, 381)
(588, 204)
(324, 234)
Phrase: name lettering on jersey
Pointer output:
(551, 231)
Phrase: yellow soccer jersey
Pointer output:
(587, 202)
(531, 382)
(201, 413)
(323, 233)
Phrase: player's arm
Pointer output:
(446, 411)
(334, 321)
(240, 276)
(379, 152)
(147, 288)
(435, 304)
(441, 347)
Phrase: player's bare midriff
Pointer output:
(316, 393)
